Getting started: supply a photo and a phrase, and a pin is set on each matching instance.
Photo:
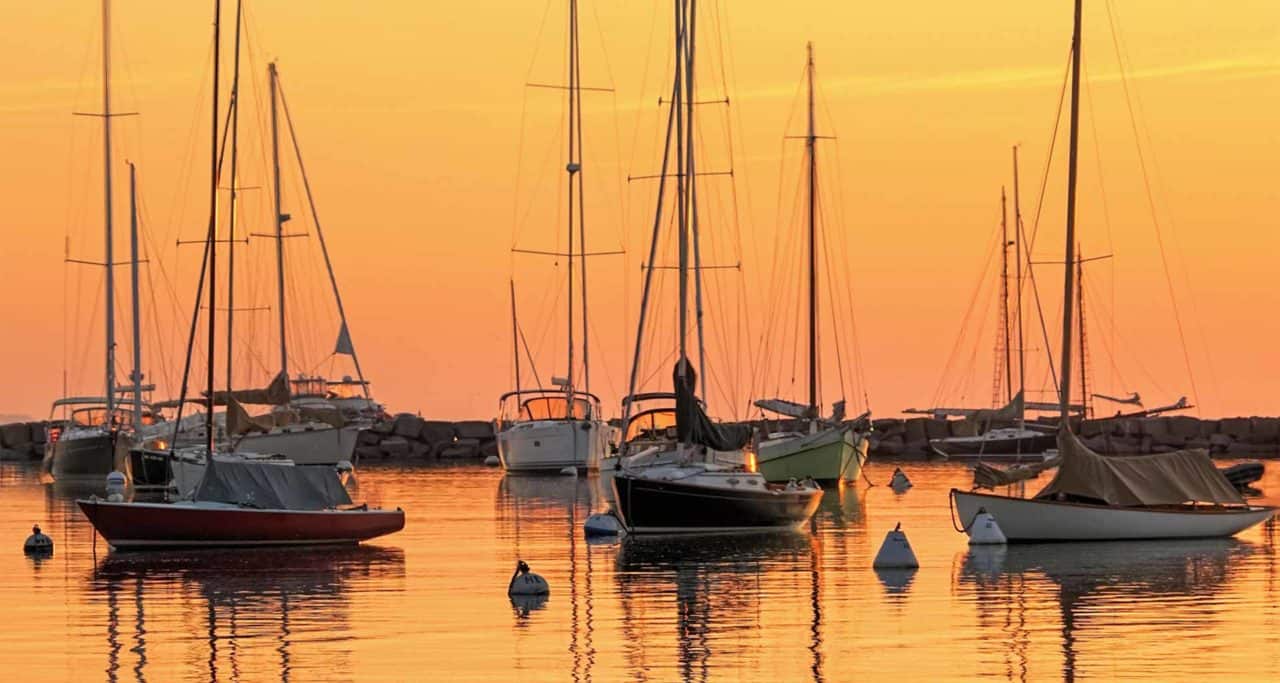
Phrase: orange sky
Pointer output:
(413, 120)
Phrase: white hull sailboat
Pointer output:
(1025, 520)
(1092, 497)
(552, 445)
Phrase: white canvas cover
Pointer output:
(271, 486)
(1187, 476)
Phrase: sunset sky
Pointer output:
(429, 158)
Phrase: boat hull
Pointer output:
(153, 526)
(672, 507)
(552, 445)
(304, 445)
(88, 457)
(1024, 445)
(828, 457)
(1026, 520)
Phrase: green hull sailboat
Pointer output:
(831, 451)
(831, 455)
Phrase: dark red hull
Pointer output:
(145, 526)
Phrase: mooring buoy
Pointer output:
(37, 543)
(899, 483)
(985, 531)
(895, 552)
(525, 582)
(603, 524)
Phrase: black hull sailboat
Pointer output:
(710, 502)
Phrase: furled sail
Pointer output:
(785, 407)
(692, 424)
(1010, 412)
(275, 394)
(1186, 476)
(344, 344)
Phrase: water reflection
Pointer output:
(1099, 590)
(724, 589)
(243, 596)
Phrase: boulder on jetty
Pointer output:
(410, 436)
(21, 441)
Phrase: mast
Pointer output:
(212, 246)
(690, 170)
(515, 334)
(231, 220)
(682, 213)
(1004, 293)
(1017, 248)
(811, 142)
(1084, 380)
(324, 248)
(576, 94)
(107, 211)
(280, 217)
(136, 375)
(1068, 284)
(572, 167)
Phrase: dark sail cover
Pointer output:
(693, 425)
(271, 486)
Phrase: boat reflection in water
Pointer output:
(719, 585)
(1103, 594)
(277, 613)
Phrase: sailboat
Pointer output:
(240, 501)
(828, 453)
(94, 439)
(1123, 497)
(677, 471)
(547, 429)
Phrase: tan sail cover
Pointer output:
(275, 394)
(1136, 480)
(239, 421)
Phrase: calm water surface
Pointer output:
(430, 602)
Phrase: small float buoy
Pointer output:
(895, 552)
(116, 482)
(37, 543)
(985, 531)
(569, 471)
(899, 483)
(525, 582)
(603, 524)
(344, 466)
(491, 461)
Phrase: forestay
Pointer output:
(1187, 476)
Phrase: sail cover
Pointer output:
(1187, 476)
(1010, 412)
(692, 424)
(275, 394)
(785, 407)
(272, 486)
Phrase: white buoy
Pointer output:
(605, 524)
(569, 471)
(491, 461)
(899, 483)
(525, 582)
(37, 543)
(116, 483)
(895, 552)
(985, 531)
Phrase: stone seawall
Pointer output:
(410, 436)
(21, 441)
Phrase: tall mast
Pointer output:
(1084, 379)
(1068, 285)
(1004, 293)
(691, 25)
(212, 237)
(576, 93)
(572, 168)
(231, 220)
(136, 375)
(280, 217)
(682, 180)
(106, 194)
(811, 143)
(1017, 249)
